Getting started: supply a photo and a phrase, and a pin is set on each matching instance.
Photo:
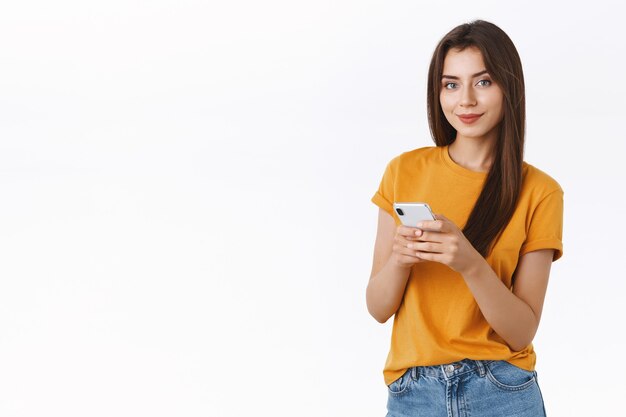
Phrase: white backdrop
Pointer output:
(185, 223)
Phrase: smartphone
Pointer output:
(412, 213)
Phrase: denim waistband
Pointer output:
(452, 369)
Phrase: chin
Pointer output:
(473, 131)
(469, 132)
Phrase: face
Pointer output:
(466, 88)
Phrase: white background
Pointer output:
(185, 217)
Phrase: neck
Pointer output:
(475, 154)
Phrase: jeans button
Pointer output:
(450, 368)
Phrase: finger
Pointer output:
(441, 217)
(408, 232)
(432, 225)
(426, 247)
(403, 250)
(429, 256)
(404, 241)
(427, 236)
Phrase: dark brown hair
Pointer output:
(495, 205)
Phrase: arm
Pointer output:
(391, 267)
(513, 315)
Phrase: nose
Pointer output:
(467, 97)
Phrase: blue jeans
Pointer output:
(466, 388)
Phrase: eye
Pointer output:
(485, 81)
(447, 84)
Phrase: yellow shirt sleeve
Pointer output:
(546, 226)
(384, 196)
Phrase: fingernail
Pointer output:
(419, 225)
(410, 245)
(418, 232)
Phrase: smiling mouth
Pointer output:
(469, 119)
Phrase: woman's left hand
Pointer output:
(442, 241)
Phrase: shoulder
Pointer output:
(537, 182)
(415, 156)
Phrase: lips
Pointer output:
(469, 118)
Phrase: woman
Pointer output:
(467, 289)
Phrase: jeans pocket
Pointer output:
(402, 384)
(510, 377)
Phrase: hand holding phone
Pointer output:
(409, 214)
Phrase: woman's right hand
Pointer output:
(401, 255)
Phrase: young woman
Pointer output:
(467, 289)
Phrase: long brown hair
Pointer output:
(495, 205)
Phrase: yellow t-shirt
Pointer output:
(438, 320)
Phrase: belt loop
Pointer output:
(414, 373)
(481, 368)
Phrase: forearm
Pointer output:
(508, 315)
(385, 290)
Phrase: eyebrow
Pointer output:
(452, 77)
